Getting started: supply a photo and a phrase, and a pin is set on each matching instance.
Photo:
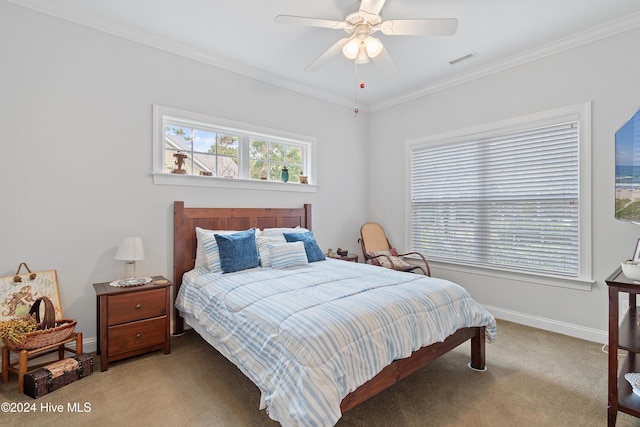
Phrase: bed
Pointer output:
(335, 278)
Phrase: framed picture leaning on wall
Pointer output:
(19, 292)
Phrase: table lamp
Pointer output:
(130, 251)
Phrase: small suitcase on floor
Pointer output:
(56, 375)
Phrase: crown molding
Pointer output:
(164, 44)
(579, 39)
(176, 48)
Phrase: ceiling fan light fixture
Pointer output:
(351, 49)
(362, 57)
(361, 21)
(373, 46)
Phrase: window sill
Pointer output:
(537, 279)
(233, 183)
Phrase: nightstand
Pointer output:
(349, 257)
(132, 320)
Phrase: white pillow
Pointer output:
(207, 241)
(280, 231)
(263, 247)
(285, 255)
(201, 257)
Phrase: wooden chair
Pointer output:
(377, 250)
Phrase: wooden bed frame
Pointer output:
(184, 255)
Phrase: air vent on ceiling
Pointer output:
(462, 58)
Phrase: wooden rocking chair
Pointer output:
(377, 250)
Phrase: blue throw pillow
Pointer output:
(314, 253)
(238, 251)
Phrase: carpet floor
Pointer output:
(534, 378)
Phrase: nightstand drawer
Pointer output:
(132, 320)
(136, 335)
(136, 306)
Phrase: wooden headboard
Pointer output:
(185, 221)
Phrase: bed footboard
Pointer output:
(402, 368)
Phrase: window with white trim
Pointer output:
(188, 144)
(509, 196)
(209, 152)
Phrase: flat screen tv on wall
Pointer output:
(628, 170)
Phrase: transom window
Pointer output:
(208, 151)
(267, 158)
(510, 196)
(192, 144)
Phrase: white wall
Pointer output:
(606, 73)
(75, 111)
(75, 114)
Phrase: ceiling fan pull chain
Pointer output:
(360, 85)
(355, 110)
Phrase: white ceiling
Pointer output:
(241, 36)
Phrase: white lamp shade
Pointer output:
(362, 57)
(373, 45)
(130, 249)
(350, 50)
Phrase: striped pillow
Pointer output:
(264, 242)
(285, 255)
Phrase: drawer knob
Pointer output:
(138, 306)
(138, 335)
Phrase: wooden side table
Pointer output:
(132, 320)
(349, 257)
(623, 335)
(24, 356)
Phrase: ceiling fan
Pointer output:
(359, 45)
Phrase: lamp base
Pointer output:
(130, 269)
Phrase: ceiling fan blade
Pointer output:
(420, 27)
(372, 6)
(328, 54)
(310, 22)
(384, 62)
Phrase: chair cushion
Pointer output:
(396, 263)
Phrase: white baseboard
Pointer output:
(89, 345)
(569, 329)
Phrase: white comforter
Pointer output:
(308, 336)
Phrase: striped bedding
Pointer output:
(309, 335)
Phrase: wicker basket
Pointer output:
(49, 331)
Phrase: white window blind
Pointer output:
(508, 201)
